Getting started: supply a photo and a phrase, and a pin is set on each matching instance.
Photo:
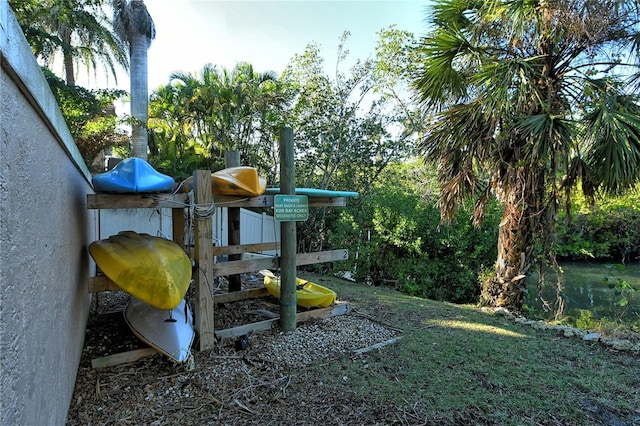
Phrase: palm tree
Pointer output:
(77, 28)
(533, 99)
(134, 26)
(232, 109)
(174, 147)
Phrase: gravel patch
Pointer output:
(225, 385)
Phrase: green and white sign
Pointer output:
(290, 208)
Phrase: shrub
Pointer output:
(394, 235)
(609, 230)
(89, 115)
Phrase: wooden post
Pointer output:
(232, 159)
(288, 297)
(203, 253)
(177, 222)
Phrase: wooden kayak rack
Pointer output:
(204, 254)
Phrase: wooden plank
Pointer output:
(321, 257)
(376, 346)
(234, 296)
(249, 256)
(177, 226)
(327, 201)
(231, 201)
(122, 358)
(130, 201)
(203, 229)
(251, 265)
(102, 283)
(241, 266)
(340, 308)
(230, 333)
(267, 201)
(245, 248)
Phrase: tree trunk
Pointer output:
(139, 94)
(67, 57)
(507, 288)
(69, 69)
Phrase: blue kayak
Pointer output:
(314, 192)
(133, 175)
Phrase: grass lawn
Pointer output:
(460, 365)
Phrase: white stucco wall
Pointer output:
(44, 231)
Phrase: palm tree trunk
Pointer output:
(67, 56)
(69, 69)
(507, 288)
(139, 94)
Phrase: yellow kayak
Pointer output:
(153, 269)
(241, 181)
(309, 294)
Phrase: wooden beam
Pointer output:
(233, 237)
(327, 201)
(230, 333)
(252, 265)
(130, 201)
(203, 229)
(245, 248)
(232, 159)
(340, 308)
(234, 296)
(288, 295)
(241, 266)
(122, 358)
(102, 283)
(177, 226)
(267, 201)
(377, 346)
(321, 257)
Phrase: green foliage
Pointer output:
(350, 126)
(530, 98)
(608, 230)
(397, 235)
(79, 30)
(196, 118)
(620, 286)
(585, 319)
(90, 116)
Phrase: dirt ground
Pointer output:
(263, 384)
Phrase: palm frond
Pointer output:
(442, 79)
(613, 132)
(546, 134)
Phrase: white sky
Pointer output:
(267, 34)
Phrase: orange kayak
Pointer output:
(240, 181)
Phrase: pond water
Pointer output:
(585, 289)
